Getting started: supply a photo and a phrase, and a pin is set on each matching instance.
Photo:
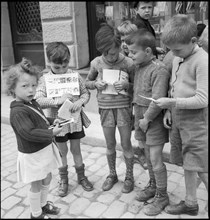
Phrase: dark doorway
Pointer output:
(26, 31)
(95, 16)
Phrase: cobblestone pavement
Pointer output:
(79, 203)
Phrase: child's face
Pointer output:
(137, 54)
(59, 68)
(145, 9)
(124, 46)
(112, 55)
(181, 50)
(25, 89)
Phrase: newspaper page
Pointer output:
(59, 84)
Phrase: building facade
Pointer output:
(27, 27)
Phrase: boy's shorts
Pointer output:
(189, 139)
(70, 136)
(156, 133)
(116, 117)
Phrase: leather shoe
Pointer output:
(128, 185)
(42, 216)
(86, 184)
(49, 208)
(182, 208)
(109, 182)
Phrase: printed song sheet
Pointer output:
(57, 85)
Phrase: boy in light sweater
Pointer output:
(187, 108)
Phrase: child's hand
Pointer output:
(160, 50)
(100, 85)
(167, 120)
(120, 85)
(63, 98)
(165, 102)
(143, 124)
(76, 106)
(57, 129)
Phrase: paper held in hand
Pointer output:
(65, 111)
(57, 85)
(151, 99)
(110, 76)
(63, 123)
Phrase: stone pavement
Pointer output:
(79, 203)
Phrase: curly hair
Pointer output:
(12, 75)
(126, 27)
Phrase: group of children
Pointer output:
(164, 103)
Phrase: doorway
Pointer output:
(96, 16)
(26, 31)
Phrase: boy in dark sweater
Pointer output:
(151, 81)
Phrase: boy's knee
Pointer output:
(75, 151)
(127, 148)
(63, 151)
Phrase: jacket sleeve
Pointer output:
(160, 86)
(27, 130)
(91, 77)
(84, 93)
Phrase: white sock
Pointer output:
(35, 205)
(44, 194)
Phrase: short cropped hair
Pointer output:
(107, 37)
(179, 29)
(58, 52)
(136, 4)
(142, 38)
(126, 27)
(200, 28)
(15, 71)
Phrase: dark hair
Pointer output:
(136, 4)
(58, 52)
(107, 37)
(15, 71)
(143, 38)
(200, 28)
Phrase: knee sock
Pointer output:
(151, 172)
(44, 194)
(35, 204)
(191, 187)
(161, 179)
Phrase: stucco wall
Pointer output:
(67, 22)
(7, 54)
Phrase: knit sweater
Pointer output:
(151, 80)
(108, 101)
(52, 107)
(189, 83)
(31, 129)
